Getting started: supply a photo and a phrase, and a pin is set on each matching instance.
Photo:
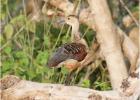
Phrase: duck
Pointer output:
(70, 54)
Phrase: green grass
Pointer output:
(26, 47)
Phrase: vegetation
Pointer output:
(27, 45)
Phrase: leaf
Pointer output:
(7, 50)
(20, 54)
(8, 31)
(31, 26)
(46, 41)
(7, 65)
(102, 85)
(24, 62)
(42, 57)
(86, 83)
(18, 20)
(21, 58)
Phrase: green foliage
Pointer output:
(42, 57)
(7, 65)
(86, 83)
(18, 20)
(102, 86)
(64, 71)
(21, 58)
(8, 30)
(136, 8)
(7, 50)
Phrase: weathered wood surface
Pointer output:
(13, 88)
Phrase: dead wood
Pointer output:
(13, 88)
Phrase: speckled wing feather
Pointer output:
(76, 51)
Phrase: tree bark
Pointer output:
(109, 42)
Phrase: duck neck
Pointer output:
(75, 32)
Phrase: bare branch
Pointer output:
(109, 42)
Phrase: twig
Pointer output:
(129, 12)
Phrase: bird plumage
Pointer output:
(76, 51)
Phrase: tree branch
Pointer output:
(109, 42)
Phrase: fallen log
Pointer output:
(13, 88)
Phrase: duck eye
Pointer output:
(68, 18)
